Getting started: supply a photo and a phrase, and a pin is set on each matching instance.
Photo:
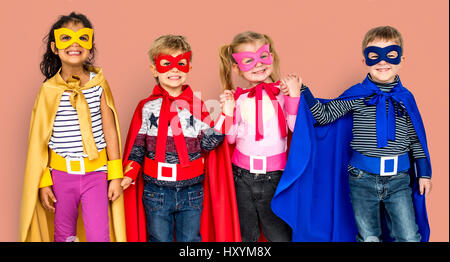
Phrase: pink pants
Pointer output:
(91, 190)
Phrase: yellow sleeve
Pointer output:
(46, 179)
(115, 169)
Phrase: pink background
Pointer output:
(318, 39)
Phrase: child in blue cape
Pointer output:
(363, 174)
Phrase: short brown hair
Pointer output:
(171, 42)
(382, 33)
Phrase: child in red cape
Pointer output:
(177, 175)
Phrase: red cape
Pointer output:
(219, 220)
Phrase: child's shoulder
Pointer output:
(50, 85)
(149, 100)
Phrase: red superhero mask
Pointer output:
(173, 62)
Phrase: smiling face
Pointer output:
(260, 72)
(383, 72)
(173, 79)
(73, 55)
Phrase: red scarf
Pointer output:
(272, 91)
(169, 114)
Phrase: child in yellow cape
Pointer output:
(74, 151)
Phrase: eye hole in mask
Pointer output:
(247, 60)
(391, 54)
(165, 62)
(64, 37)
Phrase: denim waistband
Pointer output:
(246, 173)
(181, 183)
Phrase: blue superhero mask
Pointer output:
(383, 54)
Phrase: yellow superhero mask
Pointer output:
(64, 37)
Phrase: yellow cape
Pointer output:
(36, 224)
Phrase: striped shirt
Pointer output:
(66, 138)
(198, 136)
(364, 125)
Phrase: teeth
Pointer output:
(74, 52)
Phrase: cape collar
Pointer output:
(385, 118)
(79, 103)
(58, 82)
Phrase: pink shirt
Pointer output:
(242, 132)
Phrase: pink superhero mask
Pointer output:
(247, 60)
(173, 62)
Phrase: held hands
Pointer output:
(291, 85)
(130, 170)
(227, 102)
(126, 182)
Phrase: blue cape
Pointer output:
(313, 195)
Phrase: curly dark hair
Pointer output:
(51, 62)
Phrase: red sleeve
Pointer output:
(131, 169)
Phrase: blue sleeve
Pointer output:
(309, 98)
(422, 168)
(325, 113)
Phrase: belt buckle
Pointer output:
(69, 161)
(382, 165)
(264, 164)
(167, 165)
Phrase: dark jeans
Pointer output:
(368, 191)
(169, 208)
(254, 194)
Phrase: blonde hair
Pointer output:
(226, 59)
(170, 42)
(387, 33)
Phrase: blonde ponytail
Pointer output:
(225, 67)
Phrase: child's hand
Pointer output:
(126, 182)
(291, 85)
(115, 189)
(45, 194)
(227, 102)
(425, 186)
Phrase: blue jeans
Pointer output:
(370, 192)
(169, 208)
